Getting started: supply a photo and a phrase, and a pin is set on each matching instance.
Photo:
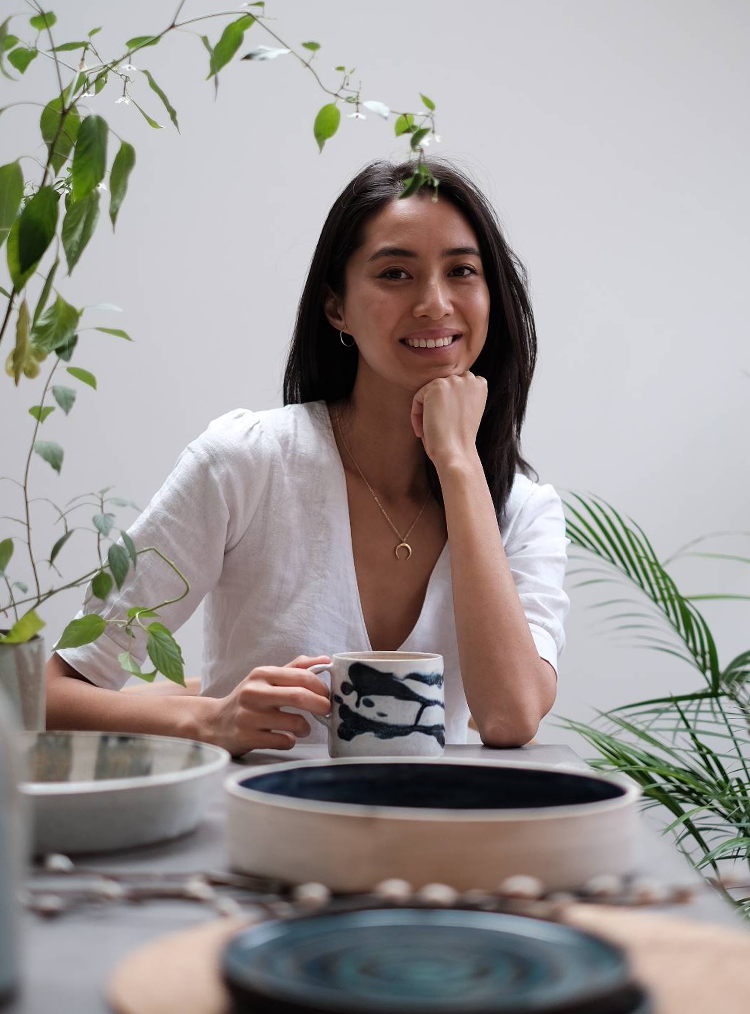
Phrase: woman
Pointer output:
(385, 506)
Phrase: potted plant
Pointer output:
(60, 209)
(690, 751)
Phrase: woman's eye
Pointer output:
(461, 267)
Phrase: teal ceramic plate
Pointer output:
(428, 961)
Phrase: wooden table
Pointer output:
(68, 959)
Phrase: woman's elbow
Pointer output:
(504, 735)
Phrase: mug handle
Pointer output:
(324, 720)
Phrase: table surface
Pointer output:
(68, 960)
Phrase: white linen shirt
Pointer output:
(255, 514)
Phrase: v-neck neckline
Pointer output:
(326, 418)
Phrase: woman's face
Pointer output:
(419, 269)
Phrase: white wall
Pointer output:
(611, 138)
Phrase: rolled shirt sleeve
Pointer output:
(200, 512)
(536, 549)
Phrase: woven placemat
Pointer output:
(688, 967)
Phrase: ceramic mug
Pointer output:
(385, 703)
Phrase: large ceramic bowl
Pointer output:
(351, 822)
(96, 791)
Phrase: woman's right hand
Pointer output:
(250, 717)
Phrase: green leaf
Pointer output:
(428, 102)
(101, 585)
(118, 178)
(19, 584)
(64, 396)
(78, 84)
(130, 548)
(44, 295)
(115, 331)
(51, 452)
(11, 193)
(130, 664)
(22, 57)
(9, 42)
(6, 551)
(26, 628)
(19, 357)
(167, 105)
(65, 351)
(139, 41)
(141, 612)
(311, 45)
(53, 125)
(104, 522)
(4, 292)
(210, 49)
(149, 119)
(89, 156)
(58, 546)
(93, 32)
(404, 124)
(4, 36)
(119, 502)
(40, 412)
(100, 82)
(412, 186)
(229, 43)
(118, 564)
(83, 375)
(165, 653)
(31, 234)
(82, 631)
(68, 47)
(326, 124)
(56, 325)
(78, 226)
(417, 137)
(42, 21)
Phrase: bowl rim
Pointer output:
(632, 792)
(218, 758)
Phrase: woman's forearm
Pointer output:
(75, 703)
(508, 687)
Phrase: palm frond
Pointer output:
(595, 526)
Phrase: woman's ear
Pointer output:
(333, 308)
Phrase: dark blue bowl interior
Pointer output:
(434, 785)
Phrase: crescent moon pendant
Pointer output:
(406, 546)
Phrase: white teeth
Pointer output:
(429, 343)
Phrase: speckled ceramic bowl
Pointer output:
(96, 791)
(351, 822)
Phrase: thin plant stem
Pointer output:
(26, 482)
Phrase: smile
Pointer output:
(430, 346)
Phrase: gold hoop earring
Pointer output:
(346, 346)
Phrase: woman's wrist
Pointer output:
(197, 719)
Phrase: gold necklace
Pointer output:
(403, 543)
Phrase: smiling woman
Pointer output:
(385, 506)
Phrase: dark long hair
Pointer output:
(320, 368)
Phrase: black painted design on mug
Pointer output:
(355, 724)
(366, 682)
(369, 682)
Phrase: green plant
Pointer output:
(62, 209)
(688, 751)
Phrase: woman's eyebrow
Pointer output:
(397, 251)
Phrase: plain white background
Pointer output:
(610, 137)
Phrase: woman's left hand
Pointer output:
(446, 414)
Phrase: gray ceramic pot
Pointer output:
(22, 677)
